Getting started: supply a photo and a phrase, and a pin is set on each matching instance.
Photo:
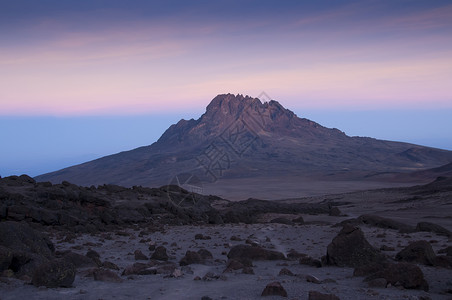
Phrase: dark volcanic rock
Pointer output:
(369, 269)
(94, 256)
(241, 252)
(313, 279)
(205, 254)
(298, 220)
(432, 227)
(209, 276)
(309, 261)
(191, 257)
(23, 248)
(378, 283)
(382, 222)
(200, 236)
(106, 275)
(447, 251)
(78, 260)
(386, 248)
(274, 289)
(234, 264)
(294, 254)
(110, 265)
(350, 248)
(140, 269)
(139, 255)
(160, 254)
(443, 261)
(54, 273)
(285, 271)
(314, 295)
(6, 257)
(420, 252)
(405, 274)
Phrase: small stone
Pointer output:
(177, 273)
(285, 271)
(200, 236)
(160, 254)
(274, 289)
(151, 246)
(110, 265)
(106, 276)
(139, 255)
(313, 279)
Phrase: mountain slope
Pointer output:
(239, 137)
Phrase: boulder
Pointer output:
(274, 289)
(110, 265)
(298, 220)
(386, 223)
(419, 252)
(447, 251)
(369, 269)
(407, 275)
(234, 264)
(139, 255)
(285, 271)
(191, 257)
(205, 254)
(432, 227)
(6, 258)
(23, 249)
(313, 279)
(378, 283)
(443, 261)
(350, 249)
(106, 276)
(309, 261)
(54, 273)
(160, 254)
(94, 256)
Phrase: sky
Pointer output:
(83, 79)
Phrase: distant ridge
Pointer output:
(239, 137)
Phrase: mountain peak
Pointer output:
(229, 104)
(241, 137)
(231, 107)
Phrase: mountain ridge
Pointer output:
(241, 137)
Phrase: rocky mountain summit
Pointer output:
(241, 138)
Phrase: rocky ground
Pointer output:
(64, 241)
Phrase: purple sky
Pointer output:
(158, 61)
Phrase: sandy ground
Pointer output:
(311, 238)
